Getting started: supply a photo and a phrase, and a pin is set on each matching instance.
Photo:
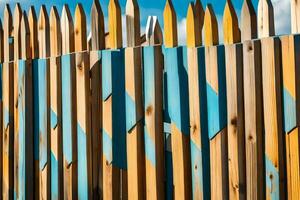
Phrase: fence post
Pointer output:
(216, 106)
(177, 91)
(295, 16)
(291, 91)
(68, 75)
(84, 138)
(1, 107)
(8, 106)
(252, 103)
(55, 104)
(134, 104)
(272, 102)
(235, 104)
(25, 114)
(32, 21)
(153, 108)
(98, 43)
(199, 143)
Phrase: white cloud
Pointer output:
(282, 16)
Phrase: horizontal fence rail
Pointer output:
(83, 117)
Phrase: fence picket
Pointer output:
(8, 106)
(32, 20)
(265, 19)
(295, 16)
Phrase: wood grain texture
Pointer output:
(253, 119)
(248, 21)
(1, 110)
(230, 24)
(97, 27)
(193, 26)
(114, 25)
(32, 19)
(84, 136)
(133, 23)
(274, 134)
(55, 104)
(25, 120)
(235, 121)
(170, 25)
(8, 107)
(211, 35)
(290, 70)
(295, 16)
(154, 136)
(265, 19)
(17, 55)
(68, 106)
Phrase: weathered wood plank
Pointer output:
(193, 30)
(230, 24)
(32, 20)
(114, 25)
(295, 16)
(211, 34)
(56, 155)
(290, 90)
(8, 107)
(170, 25)
(1, 108)
(265, 19)
(248, 21)
(133, 23)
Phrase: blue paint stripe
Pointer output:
(131, 120)
(54, 177)
(82, 164)
(197, 170)
(107, 146)
(21, 118)
(53, 119)
(149, 148)
(214, 125)
(36, 119)
(177, 88)
(289, 105)
(106, 75)
(272, 179)
(67, 129)
(6, 117)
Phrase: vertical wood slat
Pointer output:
(290, 71)
(153, 109)
(295, 16)
(16, 33)
(8, 106)
(55, 104)
(1, 107)
(68, 75)
(216, 106)
(113, 103)
(25, 114)
(197, 101)
(41, 81)
(98, 44)
(177, 92)
(134, 105)
(265, 19)
(84, 137)
(252, 103)
(235, 104)
(274, 136)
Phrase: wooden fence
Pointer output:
(88, 119)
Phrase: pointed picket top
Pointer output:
(43, 33)
(199, 13)
(115, 25)
(248, 21)
(32, 21)
(154, 34)
(1, 42)
(170, 25)
(55, 33)
(25, 37)
(67, 31)
(193, 30)
(295, 16)
(80, 29)
(7, 32)
(230, 24)
(133, 23)
(265, 19)
(17, 21)
(97, 27)
(210, 27)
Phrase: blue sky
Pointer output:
(155, 7)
